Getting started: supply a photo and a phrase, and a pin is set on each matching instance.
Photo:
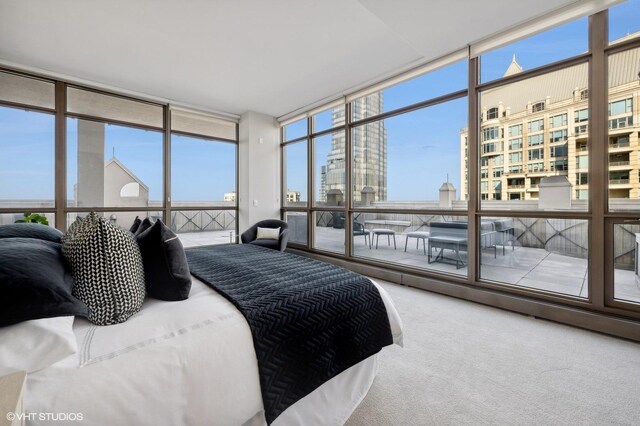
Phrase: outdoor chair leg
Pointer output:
(424, 246)
(394, 242)
(405, 244)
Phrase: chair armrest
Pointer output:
(284, 238)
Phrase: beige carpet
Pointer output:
(468, 364)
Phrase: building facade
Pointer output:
(539, 127)
(369, 152)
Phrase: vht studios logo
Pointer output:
(51, 417)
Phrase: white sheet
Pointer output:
(189, 362)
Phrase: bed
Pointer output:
(188, 362)
(254, 336)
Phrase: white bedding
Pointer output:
(181, 363)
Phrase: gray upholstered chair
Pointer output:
(249, 236)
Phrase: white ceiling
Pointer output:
(269, 56)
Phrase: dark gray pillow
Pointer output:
(30, 230)
(143, 226)
(107, 268)
(135, 225)
(166, 270)
(35, 282)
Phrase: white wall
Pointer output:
(259, 169)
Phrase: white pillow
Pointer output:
(36, 344)
(268, 233)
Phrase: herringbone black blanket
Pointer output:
(309, 320)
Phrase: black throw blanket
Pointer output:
(310, 321)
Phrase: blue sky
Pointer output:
(422, 146)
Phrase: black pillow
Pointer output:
(30, 230)
(135, 225)
(143, 226)
(166, 271)
(107, 269)
(35, 282)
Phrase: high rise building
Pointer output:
(539, 127)
(369, 152)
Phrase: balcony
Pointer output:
(622, 164)
(619, 182)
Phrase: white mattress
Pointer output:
(182, 363)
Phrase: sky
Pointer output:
(423, 146)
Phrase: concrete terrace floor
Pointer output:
(521, 266)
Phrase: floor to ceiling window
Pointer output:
(69, 150)
(526, 196)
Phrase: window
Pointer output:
(621, 123)
(484, 173)
(581, 130)
(442, 81)
(490, 133)
(559, 151)
(582, 179)
(621, 107)
(515, 157)
(558, 136)
(102, 159)
(559, 165)
(624, 21)
(535, 126)
(492, 113)
(535, 139)
(295, 178)
(526, 54)
(498, 160)
(582, 162)
(558, 120)
(27, 169)
(488, 148)
(535, 167)
(536, 154)
(390, 156)
(515, 130)
(515, 169)
(295, 130)
(497, 172)
(584, 94)
(330, 170)
(537, 107)
(203, 172)
(581, 115)
(515, 144)
(328, 119)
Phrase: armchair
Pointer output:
(249, 236)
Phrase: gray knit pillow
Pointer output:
(107, 268)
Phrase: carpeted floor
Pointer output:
(468, 364)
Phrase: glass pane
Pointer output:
(541, 49)
(202, 124)
(297, 222)
(624, 147)
(328, 119)
(329, 231)
(113, 108)
(203, 172)
(536, 253)
(329, 170)
(27, 159)
(295, 177)
(7, 218)
(411, 160)
(534, 151)
(626, 249)
(440, 82)
(429, 242)
(295, 130)
(28, 91)
(123, 219)
(113, 166)
(624, 21)
(204, 227)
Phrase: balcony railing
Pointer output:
(619, 163)
(623, 144)
(618, 181)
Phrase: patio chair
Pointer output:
(358, 229)
(249, 236)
